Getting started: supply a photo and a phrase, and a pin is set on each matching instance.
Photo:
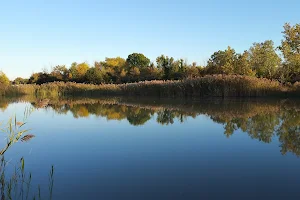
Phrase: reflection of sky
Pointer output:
(115, 160)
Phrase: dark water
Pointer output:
(154, 149)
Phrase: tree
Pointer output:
(73, 70)
(134, 74)
(34, 78)
(117, 62)
(60, 73)
(114, 67)
(78, 71)
(264, 59)
(20, 80)
(137, 60)
(222, 62)
(94, 75)
(82, 68)
(290, 48)
(242, 65)
(40, 78)
(4, 81)
(166, 64)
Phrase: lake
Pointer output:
(159, 149)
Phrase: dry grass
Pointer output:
(207, 86)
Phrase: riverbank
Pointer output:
(207, 86)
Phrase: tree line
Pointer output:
(262, 60)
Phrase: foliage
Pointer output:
(18, 184)
(4, 81)
(264, 59)
(166, 64)
(20, 80)
(137, 60)
(242, 65)
(207, 86)
(222, 62)
(261, 60)
(94, 75)
(290, 48)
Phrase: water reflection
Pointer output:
(262, 120)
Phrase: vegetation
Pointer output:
(242, 74)
(16, 183)
(207, 86)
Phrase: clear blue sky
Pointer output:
(35, 34)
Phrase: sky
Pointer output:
(39, 34)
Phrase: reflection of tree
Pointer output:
(3, 106)
(137, 116)
(260, 120)
(165, 117)
(262, 127)
(289, 132)
(80, 111)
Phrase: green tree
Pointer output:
(242, 65)
(264, 59)
(60, 73)
(290, 48)
(94, 75)
(73, 71)
(78, 71)
(137, 60)
(20, 80)
(34, 78)
(134, 74)
(166, 64)
(222, 62)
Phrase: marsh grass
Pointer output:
(207, 86)
(17, 185)
(13, 129)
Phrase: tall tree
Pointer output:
(290, 48)
(78, 71)
(242, 65)
(222, 62)
(60, 72)
(264, 59)
(137, 60)
(166, 64)
(117, 62)
(4, 81)
(114, 67)
(94, 75)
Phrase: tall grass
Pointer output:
(17, 184)
(207, 86)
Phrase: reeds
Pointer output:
(17, 185)
(207, 86)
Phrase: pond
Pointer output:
(159, 149)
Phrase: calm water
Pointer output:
(136, 149)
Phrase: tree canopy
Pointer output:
(262, 59)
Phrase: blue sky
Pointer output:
(36, 34)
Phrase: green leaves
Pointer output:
(290, 48)
(222, 62)
(264, 59)
(137, 60)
